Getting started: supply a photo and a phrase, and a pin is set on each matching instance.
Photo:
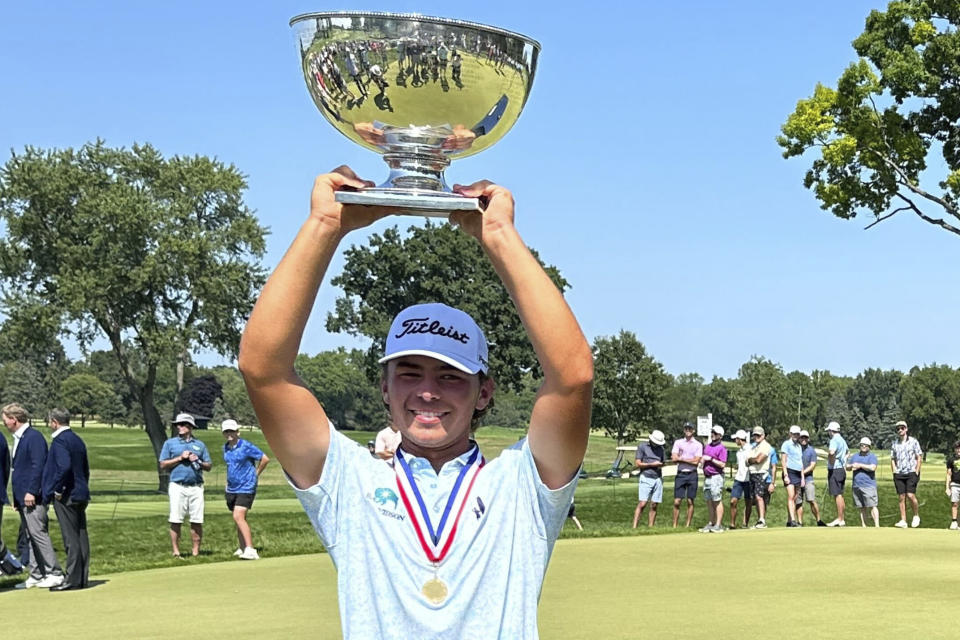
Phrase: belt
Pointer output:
(189, 484)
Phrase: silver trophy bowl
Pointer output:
(419, 90)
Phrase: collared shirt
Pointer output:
(794, 453)
(863, 478)
(649, 452)
(184, 473)
(809, 457)
(59, 430)
(387, 438)
(761, 447)
(688, 449)
(16, 439)
(838, 447)
(719, 453)
(496, 563)
(905, 455)
(242, 461)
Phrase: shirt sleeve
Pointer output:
(253, 451)
(723, 455)
(552, 504)
(165, 452)
(676, 448)
(205, 453)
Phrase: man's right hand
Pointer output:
(342, 218)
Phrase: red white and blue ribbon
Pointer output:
(436, 541)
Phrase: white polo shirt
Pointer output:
(496, 563)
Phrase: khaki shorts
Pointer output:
(954, 492)
(185, 501)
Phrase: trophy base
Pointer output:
(411, 203)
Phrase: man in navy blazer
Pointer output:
(29, 457)
(66, 484)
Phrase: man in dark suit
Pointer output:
(29, 457)
(66, 484)
(6, 566)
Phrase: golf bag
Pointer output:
(9, 564)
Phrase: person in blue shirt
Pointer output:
(863, 464)
(836, 474)
(186, 458)
(245, 462)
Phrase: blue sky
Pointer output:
(644, 164)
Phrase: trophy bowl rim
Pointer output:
(417, 17)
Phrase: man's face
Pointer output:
(184, 429)
(756, 438)
(231, 437)
(795, 437)
(10, 422)
(902, 431)
(432, 403)
(804, 441)
(687, 432)
(715, 437)
(864, 448)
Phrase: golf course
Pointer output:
(607, 581)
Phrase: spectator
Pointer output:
(809, 492)
(863, 464)
(905, 461)
(791, 461)
(686, 453)
(714, 461)
(186, 458)
(245, 463)
(836, 474)
(759, 461)
(650, 459)
(953, 482)
(741, 489)
(387, 442)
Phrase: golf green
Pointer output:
(810, 583)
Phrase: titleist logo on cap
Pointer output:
(413, 326)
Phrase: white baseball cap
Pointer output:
(657, 437)
(865, 440)
(740, 435)
(804, 433)
(229, 425)
(440, 332)
(717, 429)
(834, 426)
(794, 429)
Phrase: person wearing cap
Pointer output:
(836, 474)
(387, 442)
(953, 482)
(714, 461)
(186, 458)
(245, 462)
(741, 489)
(906, 458)
(769, 486)
(791, 461)
(863, 465)
(808, 493)
(686, 453)
(649, 459)
(759, 466)
(478, 571)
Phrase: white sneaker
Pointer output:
(50, 581)
(842, 523)
(706, 529)
(717, 528)
(249, 554)
(953, 526)
(915, 522)
(901, 525)
(833, 523)
(238, 553)
(760, 525)
(29, 583)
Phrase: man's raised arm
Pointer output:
(560, 421)
(291, 418)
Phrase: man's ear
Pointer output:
(487, 388)
(384, 390)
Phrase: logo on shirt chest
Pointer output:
(386, 502)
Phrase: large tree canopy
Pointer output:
(890, 124)
(628, 387)
(123, 243)
(432, 264)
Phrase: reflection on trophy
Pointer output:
(419, 90)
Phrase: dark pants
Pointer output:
(73, 527)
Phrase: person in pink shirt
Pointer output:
(686, 453)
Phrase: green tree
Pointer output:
(628, 387)
(432, 264)
(338, 381)
(85, 395)
(718, 398)
(930, 401)
(763, 397)
(876, 135)
(123, 243)
(234, 403)
(830, 393)
(875, 392)
(681, 401)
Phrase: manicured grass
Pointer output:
(886, 584)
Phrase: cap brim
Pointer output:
(432, 354)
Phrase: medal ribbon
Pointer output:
(436, 543)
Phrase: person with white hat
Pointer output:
(863, 464)
(649, 459)
(759, 461)
(186, 458)
(245, 462)
(442, 544)
(809, 492)
(741, 489)
(791, 463)
(714, 461)
(836, 474)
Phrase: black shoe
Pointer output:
(791, 523)
(821, 523)
(66, 587)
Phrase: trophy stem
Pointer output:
(416, 171)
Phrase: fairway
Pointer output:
(811, 583)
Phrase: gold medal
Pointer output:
(435, 590)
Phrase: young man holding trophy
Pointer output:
(442, 543)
